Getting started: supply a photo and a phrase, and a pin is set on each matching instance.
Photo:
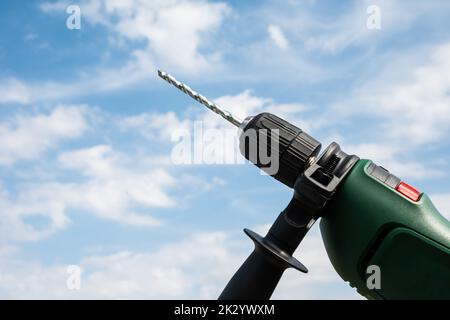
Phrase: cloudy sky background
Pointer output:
(86, 176)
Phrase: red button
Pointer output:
(408, 191)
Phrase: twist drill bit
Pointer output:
(200, 98)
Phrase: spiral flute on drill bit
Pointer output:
(203, 100)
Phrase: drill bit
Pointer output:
(203, 100)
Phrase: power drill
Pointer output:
(369, 218)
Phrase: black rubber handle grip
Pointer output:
(256, 279)
(259, 275)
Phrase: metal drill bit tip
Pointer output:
(203, 100)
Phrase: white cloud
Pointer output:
(154, 125)
(120, 176)
(156, 33)
(161, 125)
(137, 68)
(242, 105)
(345, 27)
(99, 181)
(14, 91)
(14, 212)
(107, 184)
(167, 27)
(194, 267)
(392, 157)
(409, 105)
(419, 106)
(278, 37)
(197, 267)
(199, 126)
(27, 137)
(246, 104)
(351, 30)
(336, 34)
(126, 187)
(115, 187)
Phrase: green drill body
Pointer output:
(369, 223)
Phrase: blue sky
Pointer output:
(86, 173)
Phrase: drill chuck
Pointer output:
(267, 136)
